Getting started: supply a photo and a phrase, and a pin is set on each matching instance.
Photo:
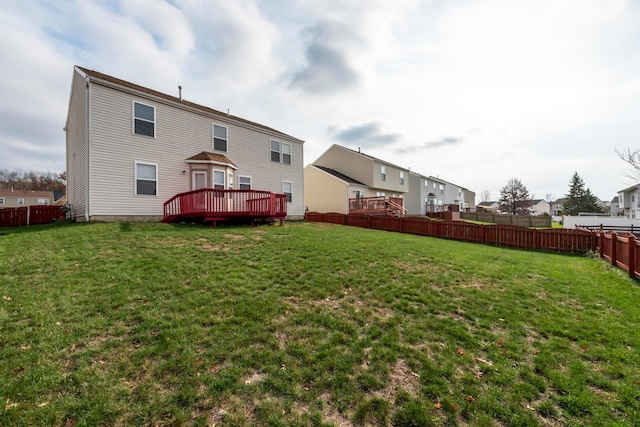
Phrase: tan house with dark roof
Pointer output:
(341, 174)
(20, 198)
(130, 149)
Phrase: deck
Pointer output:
(211, 205)
(390, 206)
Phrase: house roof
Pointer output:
(97, 77)
(615, 200)
(26, 193)
(370, 157)
(633, 187)
(207, 157)
(338, 175)
(487, 203)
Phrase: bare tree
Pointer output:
(633, 158)
(514, 198)
(485, 196)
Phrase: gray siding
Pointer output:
(180, 134)
(76, 141)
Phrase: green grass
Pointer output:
(307, 325)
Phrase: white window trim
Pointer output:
(43, 202)
(271, 151)
(133, 119)
(282, 145)
(401, 178)
(240, 183)
(135, 180)
(213, 137)
(1, 200)
(20, 201)
(290, 183)
(383, 173)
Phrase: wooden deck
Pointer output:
(390, 206)
(211, 205)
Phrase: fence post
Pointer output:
(631, 240)
(535, 239)
(614, 245)
(600, 236)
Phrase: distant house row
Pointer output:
(341, 174)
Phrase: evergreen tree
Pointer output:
(514, 198)
(579, 199)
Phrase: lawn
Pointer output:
(307, 324)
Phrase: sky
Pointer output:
(475, 92)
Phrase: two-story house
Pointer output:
(130, 149)
(628, 203)
(539, 207)
(341, 174)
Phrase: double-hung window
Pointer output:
(383, 173)
(219, 138)
(144, 119)
(286, 153)
(280, 152)
(218, 180)
(20, 201)
(43, 202)
(245, 182)
(287, 189)
(146, 179)
(401, 178)
(275, 151)
(1, 200)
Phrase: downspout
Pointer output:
(88, 192)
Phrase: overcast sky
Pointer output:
(475, 92)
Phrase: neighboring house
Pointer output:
(20, 198)
(130, 149)
(366, 175)
(488, 206)
(331, 190)
(628, 202)
(432, 194)
(426, 195)
(556, 207)
(469, 199)
(614, 206)
(539, 207)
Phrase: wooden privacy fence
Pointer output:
(29, 215)
(621, 251)
(557, 240)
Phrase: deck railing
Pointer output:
(212, 204)
(378, 205)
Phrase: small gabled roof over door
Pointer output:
(206, 157)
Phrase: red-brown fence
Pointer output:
(621, 250)
(557, 240)
(29, 215)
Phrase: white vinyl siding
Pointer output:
(146, 179)
(144, 119)
(184, 134)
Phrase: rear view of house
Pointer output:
(130, 149)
